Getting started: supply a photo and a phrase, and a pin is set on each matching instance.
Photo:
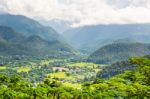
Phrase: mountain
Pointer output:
(15, 43)
(119, 52)
(9, 40)
(36, 43)
(8, 34)
(29, 27)
(89, 38)
(57, 24)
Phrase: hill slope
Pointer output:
(28, 26)
(119, 52)
(14, 43)
(90, 38)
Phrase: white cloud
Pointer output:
(82, 12)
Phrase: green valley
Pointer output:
(74, 49)
(131, 84)
(64, 70)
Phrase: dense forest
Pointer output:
(119, 51)
(133, 84)
(20, 35)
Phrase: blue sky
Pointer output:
(82, 12)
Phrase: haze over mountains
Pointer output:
(103, 43)
(89, 38)
(59, 25)
(21, 35)
(28, 26)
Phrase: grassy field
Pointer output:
(3, 67)
(97, 70)
(72, 85)
(77, 72)
(61, 75)
(83, 64)
(23, 69)
(57, 75)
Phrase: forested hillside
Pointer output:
(90, 38)
(28, 26)
(15, 43)
(119, 52)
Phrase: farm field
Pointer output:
(3, 67)
(63, 70)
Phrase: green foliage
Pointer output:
(14, 43)
(129, 85)
(119, 52)
(3, 67)
(116, 68)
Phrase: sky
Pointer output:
(81, 12)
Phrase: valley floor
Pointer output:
(47, 78)
(67, 71)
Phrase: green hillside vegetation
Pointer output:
(119, 52)
(14, 43)
(33, 30)
(133, 84)
(29, 27)
(115, 68)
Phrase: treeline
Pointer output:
(116, 68)
(119, 52)
(133, 84)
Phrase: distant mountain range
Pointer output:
(104, 43)
(22, 35)
(59, 25)
(14, 43)
(119, 52)
(28, 27)
(90, 38)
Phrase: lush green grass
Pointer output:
(3, 67)
(57, 75)
(75, 85)
(83, 64)
(44, 62)
(97, 70)
(23, 69)
(61, 75)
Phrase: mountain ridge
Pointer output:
(14, 43)
(119, 52)
(91, 37)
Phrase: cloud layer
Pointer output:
(82, 12)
